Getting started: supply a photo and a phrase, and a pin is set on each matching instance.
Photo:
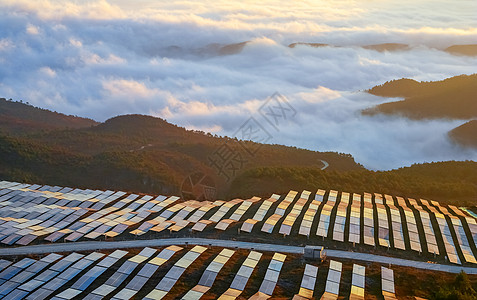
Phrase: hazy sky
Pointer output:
(99, 59)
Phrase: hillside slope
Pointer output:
(468, 50)
(145, 154)
(388, 47)
(447, 182)
(465, 134)
(453, 98)
(17, 118)
(138, 153)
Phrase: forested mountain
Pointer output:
(452, 98)
(388, 47)
(146, 154)
(468, 50)
(18, 117)
(134, 152)
(447, 182)
(465, 134)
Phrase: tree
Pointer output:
(461, 289)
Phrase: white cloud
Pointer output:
(99, 59)
(33, 30)
(5, 44)
(47, 71)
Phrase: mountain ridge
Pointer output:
(19, 117)
(452, 98)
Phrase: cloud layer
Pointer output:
(98, 60)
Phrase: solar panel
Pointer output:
(358, 282)
(207, 279)
(271, 276)
(332, 287)
(168, 281)
(46, 275)
(333, 279)
(54, 284)
(137, 283)
(387, 283)
(125, 294)
(166, 284)
(11, 271)
(16, 295)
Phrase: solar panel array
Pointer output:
(325, 216)
(340, 219)
(121, 274)
(260, 214)
(242, 277)
(333, 280)
(297, 208)
(463, 241)
(66, 277)
(146, 272)
(61, 278)
(446, 234)
(270, 223)
(397, 229)
(357, 282)
(307, 221)
(208, 277)
(90, 276)
(429, 233)
(368, 220)
(242, 209)
(271, 277)
(23, 275)
(355, 220)
(34, 212)
(27, 286)
(128, 211)
(162, 221)
(224, 209)
(387, 283)
(472, 223)
(411, 222)
(170, 279)
(456, 223)
(237, 214)
(307, 286)
(383, 225)
(200, 213)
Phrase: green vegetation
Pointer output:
(133, 152)
(452, 98)
(460, 289)
(19, 117)
(447, 182)
(146, 154)
(466, 134)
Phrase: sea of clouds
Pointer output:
(99, 59)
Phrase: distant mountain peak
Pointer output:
(466, 134)
(451, 98)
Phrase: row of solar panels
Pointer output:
(380, 208)
(28, 213)
(61, 277)
(28, 219)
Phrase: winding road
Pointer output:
(325, 164)
(97, 245)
